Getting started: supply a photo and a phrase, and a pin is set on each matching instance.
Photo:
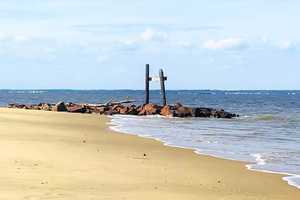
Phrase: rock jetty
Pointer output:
(128, 108)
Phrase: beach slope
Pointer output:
(47, 155)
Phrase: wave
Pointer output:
(27, 91)
(259, 159)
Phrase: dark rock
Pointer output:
(132, 110)
(19, 106)
(202, 112)
(103, 109)
(60, 107)
(183, 112)
(109, 112)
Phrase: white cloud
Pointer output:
(229, 43)
(152, 35)
(287, 45)
(143, 39)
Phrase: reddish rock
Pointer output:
(77, 109)
(178, 110)
(168, 111)
(150, 109)
(129, 110)
(124, 110)
(117, 109)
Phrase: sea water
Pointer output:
(266, 136)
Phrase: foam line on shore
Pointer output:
(288, 177)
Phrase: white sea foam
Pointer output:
(258, 158)
(291, 179)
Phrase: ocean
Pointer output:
(266, 136)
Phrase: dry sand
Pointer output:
(46, 155)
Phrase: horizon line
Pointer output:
(45, 89)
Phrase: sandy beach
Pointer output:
(48, 155)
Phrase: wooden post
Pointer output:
(162, 86)
(147, 79)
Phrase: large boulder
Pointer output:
(202, 112)
(150, 109)
(168, 111)
(118, 109)
(124, 109)
(60, 107)
(183, 111)
(223, 114)
(74, 108)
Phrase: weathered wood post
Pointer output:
(147, 80)
(162, 79)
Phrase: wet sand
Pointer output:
(47, 155)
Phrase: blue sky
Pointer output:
(93, 44)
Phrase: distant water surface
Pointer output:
(267, 135)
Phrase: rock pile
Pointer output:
(177, 110)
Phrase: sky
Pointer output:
(105, 44)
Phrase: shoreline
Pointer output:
(74, 149)
(286, 177)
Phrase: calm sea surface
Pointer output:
(267, 135)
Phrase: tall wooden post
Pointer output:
(162, 86)
(147, 79)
